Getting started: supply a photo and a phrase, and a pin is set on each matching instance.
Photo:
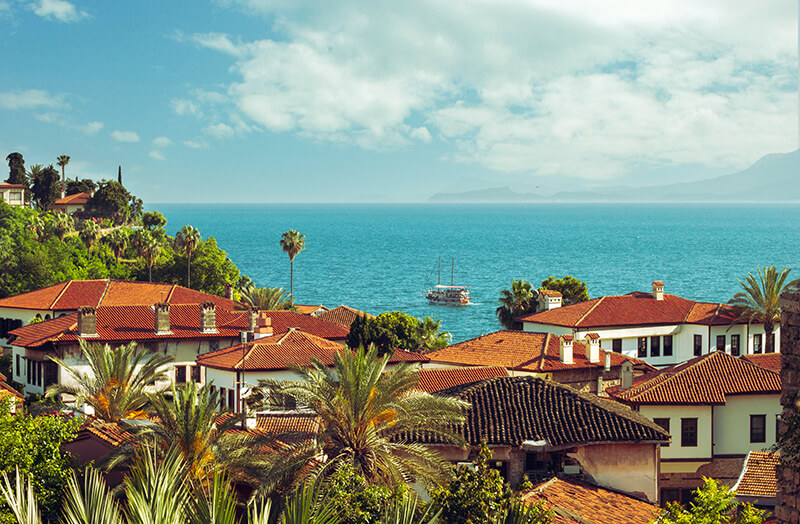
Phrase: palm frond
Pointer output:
(92, 504)
(21, 498)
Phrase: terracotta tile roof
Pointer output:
(306, 309)
(524, 351)
(110, 432)
(758, 477)
(284, 320)
(343, 315)
(280, 351)
(281, 423)
(6, 389)
(575, 502)
(437, 379)
(5, 185)
(550, 293)
(72, 294)
(703, 380)
(770, 361)
(74, 200)
(634, 309)
(511, 410)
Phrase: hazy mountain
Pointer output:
(494, 194)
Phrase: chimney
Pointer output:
(658, 290)
(162, 318)
(607, 363)
(228, 290)
(208, 317)
(549, 299)
(626, 376)
(63, 193)
(264, 328)
(91, 193)
(600, 390)
(592, 344)
(87, 321)
(252, 320)
(565, 343)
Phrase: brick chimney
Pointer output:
(658, 290)
(626, 376)
(228, 290)
(565, 346)
(252, 320)
(549, 299)
(592, 343)
(161, 318)
(87, 321)
(264, 328)
(208, 317)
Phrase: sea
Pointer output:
(378, 257)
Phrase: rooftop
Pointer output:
(343, 315)
(703, 380)
(770, 361)
(437, 379)
(758, 478)
(73, 200)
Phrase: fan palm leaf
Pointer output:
(267, 298)
(91, 505)
(21, 498)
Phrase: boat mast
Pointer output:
(439, 278)
(452, 270)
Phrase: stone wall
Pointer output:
(788, 502)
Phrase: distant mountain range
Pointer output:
(773, 178)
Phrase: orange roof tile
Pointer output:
(5, 185)
(524, 351)
(108, 431)
(282, 350)
(703, 380)
(307, 309)
(284, 320)
(73, 200)
(770, 361)
(634, 309)
(550, 293)
(575, 502)
(758, 477)
(6, 389)
(280, 423)
(437, 379)
(343, 315)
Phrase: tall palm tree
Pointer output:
(62, 161)
(518, 301)
(365, 412)
(116, 386)
(89, 233)
(760, 300)
(292, 244)
(187, 239)
(149, 249)
(117, 240)
(267, 298)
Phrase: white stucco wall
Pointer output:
(732, 423)
(703, 450)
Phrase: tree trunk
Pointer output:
(188, 268)
(150, 272)
(769, 341)
(291, 279)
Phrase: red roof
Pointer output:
(280, 351)
(575, 502)
(110, 432)
(6, 389)
(759, 478)
(281, 423)
(129, 323)
(78, 199)
(634, 309)
(437, 379)
(343, 315)
(524, 351)
(4, 185)
(770, 361)
(307, 309)
(703, 380)
(72, 294)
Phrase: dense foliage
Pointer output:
(16, 169)
(32, 444)
(397, 330)
(518, 301)
(712, 504)
(114, 202)
(572, 289)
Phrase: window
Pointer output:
(19, 373)
(616, 345)
(756, 343)
(735, 345)
(758, 428)
(15, 196)
(698, 345)
(655, 346)
(642, 344)
(223, 393)
(772, 345)
(664, 423)
(667, 345)
(196, 373)
(721, 343)
(688, 432)
(180, 374)
(231, 400)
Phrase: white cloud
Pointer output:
(60, 10)
(157, 155)
(90, 128)
(195, 144)
(162, 141)
(29, 99)
(183, 107)
(125, 136)
(551, 87)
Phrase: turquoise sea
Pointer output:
(383, 257)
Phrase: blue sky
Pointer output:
(292, 101)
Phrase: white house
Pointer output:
(13, 194)
(717, 408)
(656, 327)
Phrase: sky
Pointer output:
(247, 101)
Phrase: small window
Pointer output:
(231, 400)
(758, 428)
(196, 373)
(664, 423)
(616, 345)
(757, 344)
(19, 372)
(771, 347)
(698, 345)
(688, 432)
(180, 374)
(223, 393)
(667, 345)
(655, 346)
(735, 345)
(721, 343)
(642, 344)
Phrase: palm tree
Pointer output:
(267, 298)
(365, 413)
(431, 335)
(60, 225)
(760, 300)
(62, 161)
(116, 386)
(149, 249)
(89, 233)
(292, 244)
(187, 239)
(519, 300)
(117, 240)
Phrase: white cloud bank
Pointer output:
(59, 10)
(125, 136)
(553, 87)
(29, 99)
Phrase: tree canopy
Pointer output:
(86, 185)
(114, 202)
(397, 330)
(520, 300)
(45, 187)
(16, 167)
(572, 289)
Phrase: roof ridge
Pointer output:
(171, 291)
(590, 310)
(544, 350)
(60, 294)
(105, 291)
